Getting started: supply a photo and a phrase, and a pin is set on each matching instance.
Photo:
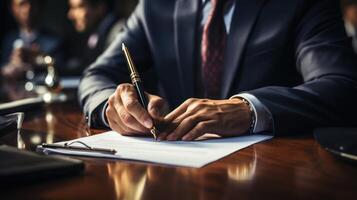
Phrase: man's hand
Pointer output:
(195, 117)
(127, 116)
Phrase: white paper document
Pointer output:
(177, 153)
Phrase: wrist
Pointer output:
(250, 111)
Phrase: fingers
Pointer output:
(180, 110)
(131, 104)
(184, 127)
(184, 118)
(200, 129)
(115, 122)
(124, 110)
(157, 106)
(126, 114)
(190, 129)
(192, 119)
(130, 122)
(118, 121)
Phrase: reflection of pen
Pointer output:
(86, 148)
(135, 79)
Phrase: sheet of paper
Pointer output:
(178, 153)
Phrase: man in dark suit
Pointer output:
(252, 65)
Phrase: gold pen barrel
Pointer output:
(136, 81)
(134, 75)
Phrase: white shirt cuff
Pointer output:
(263, 117)
(102, 116)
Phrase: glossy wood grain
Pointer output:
(282, 168)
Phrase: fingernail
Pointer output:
(148, 123)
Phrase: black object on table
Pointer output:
(341, 142)
(21, 167)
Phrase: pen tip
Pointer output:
(153, 132)
(122, 46)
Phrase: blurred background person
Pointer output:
(21, 47)
(349, 9)
(97, 25)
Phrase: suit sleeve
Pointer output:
(326, 61)
(110, 69)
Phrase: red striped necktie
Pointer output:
(213, 44)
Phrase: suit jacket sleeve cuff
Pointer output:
(103, 116)
(95, 108)
(263, 117)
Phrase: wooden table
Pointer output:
(282, 168)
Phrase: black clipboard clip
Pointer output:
(77, 148)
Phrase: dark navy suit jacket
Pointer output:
(294, 56)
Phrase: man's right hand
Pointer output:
(127, 116)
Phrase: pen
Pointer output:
(136, 81)
(86, 148)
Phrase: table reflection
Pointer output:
(27, 139)
(244, 170)
(51, 124)
(137, 180)
(129, 180)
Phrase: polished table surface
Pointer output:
(281, 168)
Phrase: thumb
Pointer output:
(157, 106)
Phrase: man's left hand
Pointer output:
(195, 117)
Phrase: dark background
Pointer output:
(54, 16)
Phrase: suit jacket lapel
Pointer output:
(244, 18)
(185, 26)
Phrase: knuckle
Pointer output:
(121, 87)
(201, 126)
(205, 100)
(196, 105)
(111, 100)
(126, 118)
(191, 119)
(124, 87)
(108, 111)
(190, 100)
(130, 104)
(143, 117)
(157, 101)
